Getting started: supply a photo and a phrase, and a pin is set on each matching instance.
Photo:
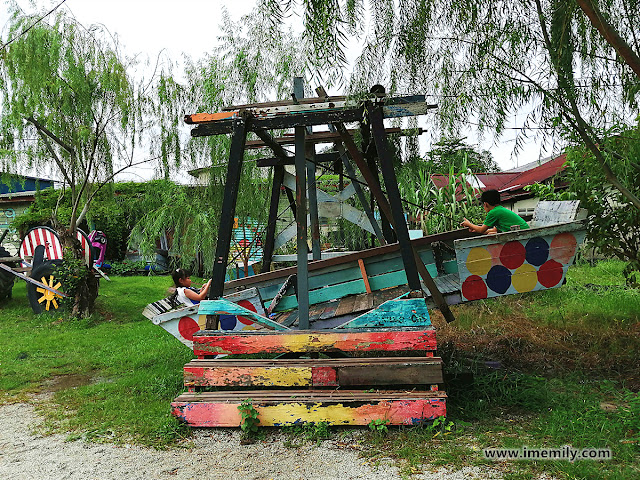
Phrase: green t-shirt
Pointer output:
(503, 219)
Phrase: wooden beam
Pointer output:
(391, 184)
(365, 278)
(293, 407)
(267, 252)
(208, 342)
(301, 217)
(230, 197)
(328, 137)
(319, 158)
(313, 372)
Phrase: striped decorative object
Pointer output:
(52, 247)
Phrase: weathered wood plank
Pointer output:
(420, 243)
(316, 373)
(398, 313)
(225, 307)
(345, 408)
(213, 342)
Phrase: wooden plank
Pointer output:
(345, 306)
(326, 137)
(213, 342)
(517, 262)
(31, 280)
(393, 107)
(313, 372)
(350, 408)
(372, 252)
(397, 313)
(289, 101)
(553, 212)
(363, 270)
(222, 306)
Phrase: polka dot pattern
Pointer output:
(499, 279)
(517, 266)
(525, 278)
(474, 288)
(187, 326)
(537, 251)
(479, 261)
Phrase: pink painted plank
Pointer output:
(314, 341)
(350, 408)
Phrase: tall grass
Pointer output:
(436, 209)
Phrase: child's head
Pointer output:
(490, 197)
(181, 277)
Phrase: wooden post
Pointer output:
(313, 202)
(391, 184)
(301, 217)
(232, 183)
(380, 136)
(278, 175)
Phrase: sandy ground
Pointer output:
(212, 454)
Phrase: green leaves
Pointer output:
(249, 418)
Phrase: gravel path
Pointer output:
(212, 454)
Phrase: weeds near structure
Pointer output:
(249, 420)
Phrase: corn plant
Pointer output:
(435, 209)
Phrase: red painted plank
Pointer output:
(350, 408)
(313, 341)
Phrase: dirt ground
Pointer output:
(27, 454)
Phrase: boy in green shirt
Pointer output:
(499, 219)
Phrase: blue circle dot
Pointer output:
(537, 251)
(227, 322)
(499, 279)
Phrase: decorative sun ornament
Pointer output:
(48, 296)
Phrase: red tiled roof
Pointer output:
(510, 184)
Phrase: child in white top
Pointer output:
(185, 293)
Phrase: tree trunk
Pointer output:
(82, 283)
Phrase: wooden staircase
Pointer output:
(339, 390)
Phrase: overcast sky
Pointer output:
(148, 27)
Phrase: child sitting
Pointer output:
(499, 219)
(185, 293)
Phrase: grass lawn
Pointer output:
(568, 366)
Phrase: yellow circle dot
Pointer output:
(525, 278)
(479, 261)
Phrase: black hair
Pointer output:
(179, 274)
(492, 197)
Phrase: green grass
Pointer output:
(123, 370)
(565, 353)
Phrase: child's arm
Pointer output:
(198, 296)
(478, 228)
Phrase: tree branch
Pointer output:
(610, 34)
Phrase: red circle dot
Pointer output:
(550, 273)
(187, 326)
(513, 255)
(474, 288)
(249, 306)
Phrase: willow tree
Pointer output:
(254, 62)
(69, 107)
(572, 65)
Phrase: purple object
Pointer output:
(99, 245)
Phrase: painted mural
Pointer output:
(516, 262)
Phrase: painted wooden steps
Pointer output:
(343, 372)
(400, 389)
(339, 407)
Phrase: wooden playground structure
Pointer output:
(345, 340)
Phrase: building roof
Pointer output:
(510, 184)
